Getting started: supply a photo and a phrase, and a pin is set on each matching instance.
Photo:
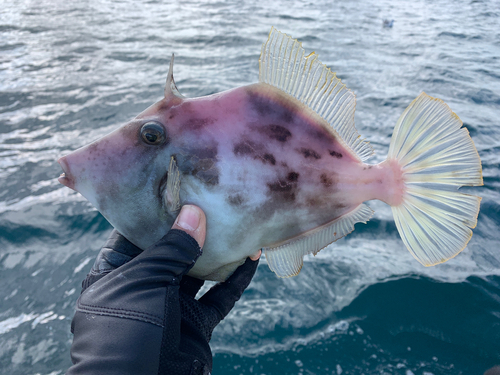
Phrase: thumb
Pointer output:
(192, 220)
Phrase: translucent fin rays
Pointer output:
(286, 258)
(437, 156)
(284, 65)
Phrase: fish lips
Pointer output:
(66, 178)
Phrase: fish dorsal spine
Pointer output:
(170, 87)
(283, 64)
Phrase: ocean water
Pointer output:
(72, 71)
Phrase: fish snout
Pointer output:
(81, 168)
(66, 178)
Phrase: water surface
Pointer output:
(72, 71)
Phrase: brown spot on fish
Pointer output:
(244, 148)
(235, 200)
(308, 153)
(269, 158)
(280, 186)
(288, 116)
(282, 190)
(172, 112)
(273, 104)
(250, 148)
(285, 189)
(260, 104)
(325, 180)
(209, 152)
(313, 202)
(204, 164)
(277, 132)
(318, 132)
(335, 154)
(200, 163)
(338, 207)
(293, 177)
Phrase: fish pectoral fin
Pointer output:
(284, 64)
(171, 198)
(286, 258)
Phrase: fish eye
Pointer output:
(153, 133)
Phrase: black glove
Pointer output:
(137, 313)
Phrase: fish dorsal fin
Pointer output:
(286, 258)
(284, 65)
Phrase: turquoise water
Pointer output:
(72, 71)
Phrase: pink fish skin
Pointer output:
(267, 169)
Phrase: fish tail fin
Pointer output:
(436, 156)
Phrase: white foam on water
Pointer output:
(82, 264)
(14, 322)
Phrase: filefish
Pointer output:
(279, 165)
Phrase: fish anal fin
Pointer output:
(284, 65)
(286, 258)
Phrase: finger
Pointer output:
(223, 296)
(115, 253)
(191, 286)
(192, 220)
(171, 257)
(176, 253)
(117, 243)
(256, 255)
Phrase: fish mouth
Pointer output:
(65, 178)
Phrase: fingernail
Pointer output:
(189, 218)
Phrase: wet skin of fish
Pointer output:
(279, 166)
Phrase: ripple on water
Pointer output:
(70, 73)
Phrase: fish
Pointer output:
(279, 165)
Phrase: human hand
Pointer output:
(137, 312)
